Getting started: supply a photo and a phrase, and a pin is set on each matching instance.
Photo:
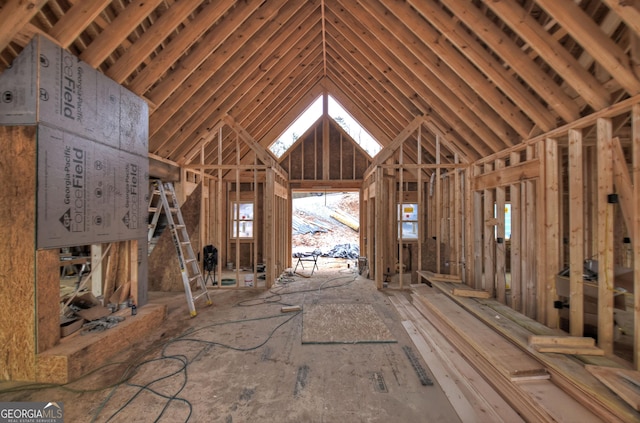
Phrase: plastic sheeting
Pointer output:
(348, 251)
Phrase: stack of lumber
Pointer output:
(624, 382)
(471, 396)
(522, 381)
(564, 345)
(567, 371)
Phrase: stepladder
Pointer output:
(163, 199)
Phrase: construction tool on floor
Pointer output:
(189, 268)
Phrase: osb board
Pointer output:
(348, 151)
(77, 355)
(164, 269)
(309, 165)
(296, 164)
(343, 324)
(318, 157)
(334, 152)
(17, 254)
(48, 298)
(362, 164)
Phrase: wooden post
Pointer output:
(478, 231)
(380, 228)
(515, 240)
(421, 206)
(254, 240)
(489, 240)
(400, 214)
(468, 225)
(576, 233)
(269, 227)
(438, 207)
(635, 237)
(530, 240)
(236, 212)
(203, 206)
(552, 230)
(96, 266)
(501, 288)
(605, 236)
(541, 237)
(457, 220)
(220, 217)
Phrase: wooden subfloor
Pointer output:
(267, 375)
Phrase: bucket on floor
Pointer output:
(248, 280)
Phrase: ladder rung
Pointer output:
(191, 260)
(185, 243)
(202, 294)
(153, 209)
(194, 278)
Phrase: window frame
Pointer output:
(236, 220)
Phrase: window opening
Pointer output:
(242, 221)
(353, 128)
(408, 221)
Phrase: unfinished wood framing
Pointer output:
(491, 115)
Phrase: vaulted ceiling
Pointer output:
(481, 75)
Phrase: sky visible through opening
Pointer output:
(312, 114)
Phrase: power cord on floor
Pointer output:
(186, 337)
(133, 368)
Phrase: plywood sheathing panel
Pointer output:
(77, 355)
(48, 294)
(164, 271)
(343, 324)
(17, 261)
(310, 166)
(334, 153)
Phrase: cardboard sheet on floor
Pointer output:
(343, 324)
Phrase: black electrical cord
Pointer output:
(132, 369)
(275, 297)
(183, 369)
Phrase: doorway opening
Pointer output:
(327, 223)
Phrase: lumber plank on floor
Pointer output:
(624, 382)
(508, 359)
(487, 404)
(438, 277)
(567, 349)
(510, 392)
(459, 402)
(470, 293)
(567, 372)
(535, 400)
(567, 341)
(574, 345)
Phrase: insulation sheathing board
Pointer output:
(88, 192)
(47, 84)
(92, 146)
